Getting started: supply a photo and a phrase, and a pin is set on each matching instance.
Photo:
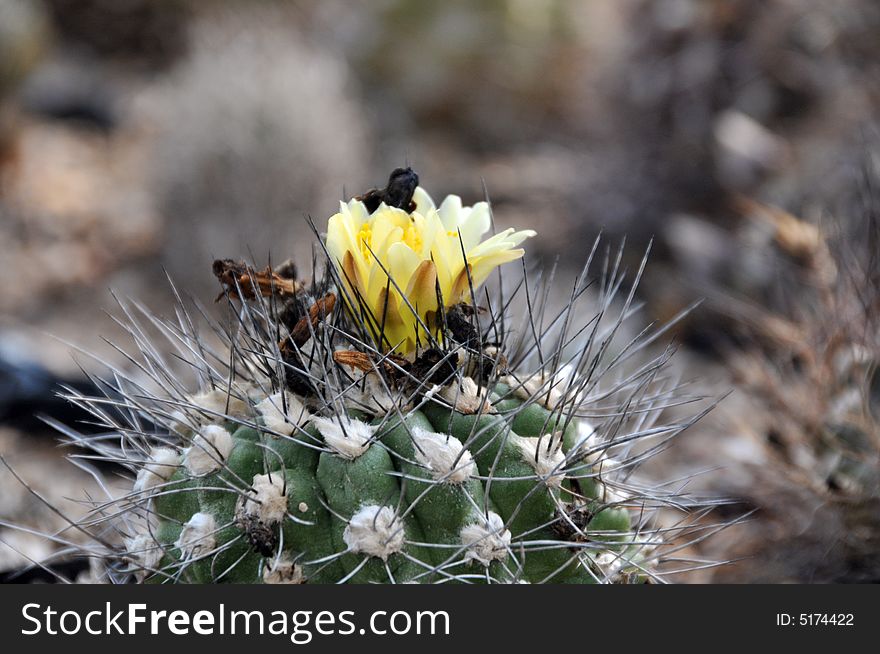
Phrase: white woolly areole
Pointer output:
(370, 394)
(144, 551)
(283, 571)
(209, 450)
(586, 439)
(197, 536)
(486, 540)
(551, 390)
(443, 455)
(544, 454)
(267, 500)
(610, 562)
(218, 403)
(611, 495)
(374, 531)
(158, 469)
(608, 465)
(274, 417)
(255, 390)
(466, 397)
(179, 422)
(348, 437)
(208, 408)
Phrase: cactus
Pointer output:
(389, 421)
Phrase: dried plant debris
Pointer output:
(806, 361)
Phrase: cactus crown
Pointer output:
(391, 421)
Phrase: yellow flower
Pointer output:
(422, 252)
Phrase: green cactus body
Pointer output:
(427, 495)
(527, 504)
(365, 484)
(446, 498)
(611, 523)
(534, 418)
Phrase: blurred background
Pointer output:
(738, 136)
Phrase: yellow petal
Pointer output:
(474, 224)
(459, 290)
(340, 238)
(483, 267)
(422, 290)
(423, 201)
(401, 329)
(351, 276)
(450, 212)
(402, 263)
(376, 274)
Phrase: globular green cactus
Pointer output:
(387, 422)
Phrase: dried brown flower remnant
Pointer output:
(237, 274)
(394, 366)
(319, 311)
(431, 367)
(399, 193)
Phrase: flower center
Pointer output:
(413, 238)
(364, 237)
